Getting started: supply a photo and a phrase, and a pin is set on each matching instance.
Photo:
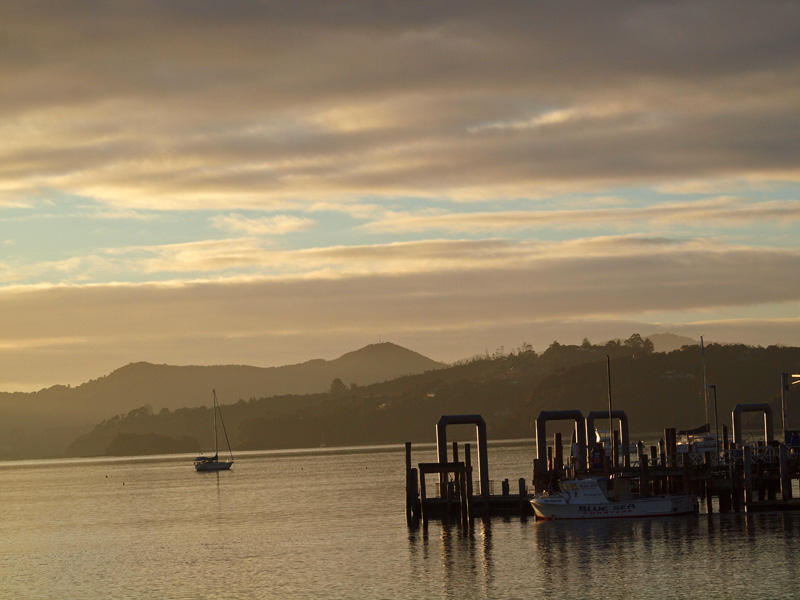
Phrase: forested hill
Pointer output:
(656, 390)
(43, 423)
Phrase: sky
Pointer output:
(264, 183)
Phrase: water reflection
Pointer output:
(584, 546)
(66, 529)
(217, 499)
(464, 555)
(640, 558)
(483, 549)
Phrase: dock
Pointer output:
(733, 477)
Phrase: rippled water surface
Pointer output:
(331, 524)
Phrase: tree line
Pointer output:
(509, 389)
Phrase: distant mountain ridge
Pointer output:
(144, 408)
(655, 389)
(169, 386)
(42, 423)
(667, 342)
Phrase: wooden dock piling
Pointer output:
(737, 492)
(785, 479)
(706, 482)
(644, 471)
(748, 477)
(412, 495)
(468, 474)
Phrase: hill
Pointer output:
(42, 423)
(167, 386)
(656, 390)
(667, 342)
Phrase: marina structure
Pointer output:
(754, 475)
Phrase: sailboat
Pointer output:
(213, 463)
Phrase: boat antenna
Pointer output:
(716, 420)
(705, 379)
(610, 422)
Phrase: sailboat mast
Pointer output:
(705, 380)
(225, 431)
(216, 444)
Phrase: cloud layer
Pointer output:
(256, 104)
(480, 290)
(264, 182)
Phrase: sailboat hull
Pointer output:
(213, 465)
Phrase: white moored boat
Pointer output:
(589, 498)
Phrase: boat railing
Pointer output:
(495, 487)
(766, 454)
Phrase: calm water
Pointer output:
(332, 525)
